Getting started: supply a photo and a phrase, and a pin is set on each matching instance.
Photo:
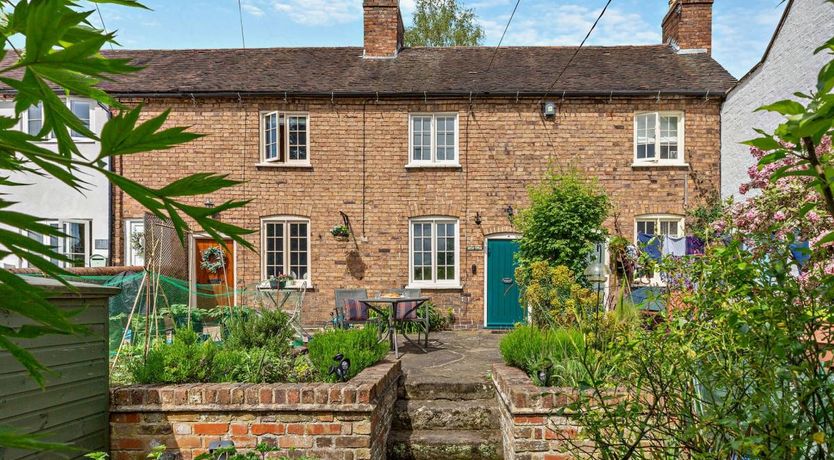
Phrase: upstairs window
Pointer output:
(80, 109)
(285, 138)
(658, 138)
(34, 120)
(433, 140)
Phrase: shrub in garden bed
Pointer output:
(256, 350)
(360, 346)
(556, 352)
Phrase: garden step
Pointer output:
(453, 391)
(415, 414)
(445, 444)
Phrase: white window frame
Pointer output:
(285, 221)
(130, 226)
(50, 137)
(61, 249)
(433, 162)
(264, 161)
(655, 279)
(433, 283)
(656, 160)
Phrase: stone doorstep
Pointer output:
(445, 444)
(452, 391)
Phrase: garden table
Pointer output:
(391, 323)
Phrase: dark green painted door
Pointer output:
(503, 309)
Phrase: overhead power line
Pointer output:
(240, 15)
(564, 69)
(503, 35)
(103, 26)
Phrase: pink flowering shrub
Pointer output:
(771, 218)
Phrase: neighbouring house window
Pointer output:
(285, 138)
(433, 249)
(76, 245)
(286, 247)
(658, 137)
(135, 242)
(658, 226)
(433, 139)
(34, 119)
(80, 109)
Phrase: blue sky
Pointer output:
(742, 28)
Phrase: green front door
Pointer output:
(502, 306)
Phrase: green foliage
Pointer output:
(257, 350)
(361, 346)
(62, 51)
(267, 329)
(563, 222)
(443, 23)
(261, 452)
(532, 349)
(554, 296)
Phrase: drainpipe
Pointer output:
(111, 214)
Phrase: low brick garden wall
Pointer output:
(345, 421)
(530, 425)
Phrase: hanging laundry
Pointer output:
(801, 251)
(650, 245)
(675, 247)
(694, 246)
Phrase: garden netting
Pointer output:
(169, 297)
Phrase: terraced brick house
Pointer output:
(427, 152)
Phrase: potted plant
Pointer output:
(273, 282)
(283, 280)
(340, 232)
(212, 260)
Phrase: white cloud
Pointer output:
(319, 12)
(252, 9)
(544, 23)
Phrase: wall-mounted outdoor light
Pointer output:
(510, 211)
(478, 219)
(223, 449)
(210, 204)
(549, 109)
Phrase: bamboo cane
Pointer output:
(129, 319)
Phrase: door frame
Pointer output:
(494, 236)
(192, 267)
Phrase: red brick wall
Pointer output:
(690, 26)
(346, 421)
(505, 146)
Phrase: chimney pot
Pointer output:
(383, 28)
(688, 25)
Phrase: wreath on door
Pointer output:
(212, 259)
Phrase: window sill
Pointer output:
(433, 166)
(659, 164)
(77, 140)
(435, 287)
(284, 165)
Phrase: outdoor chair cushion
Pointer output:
(356, 310)
(406, 310)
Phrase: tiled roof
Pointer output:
(613, 70)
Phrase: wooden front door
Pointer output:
(503, 309)
(213, 289)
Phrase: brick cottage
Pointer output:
(427, 152)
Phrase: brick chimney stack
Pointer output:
(688, 25)
(383, 28)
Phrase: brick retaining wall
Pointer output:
(530, 425)
(345, 421)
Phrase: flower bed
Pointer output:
(327, 421)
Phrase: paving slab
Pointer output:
(462, 357)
